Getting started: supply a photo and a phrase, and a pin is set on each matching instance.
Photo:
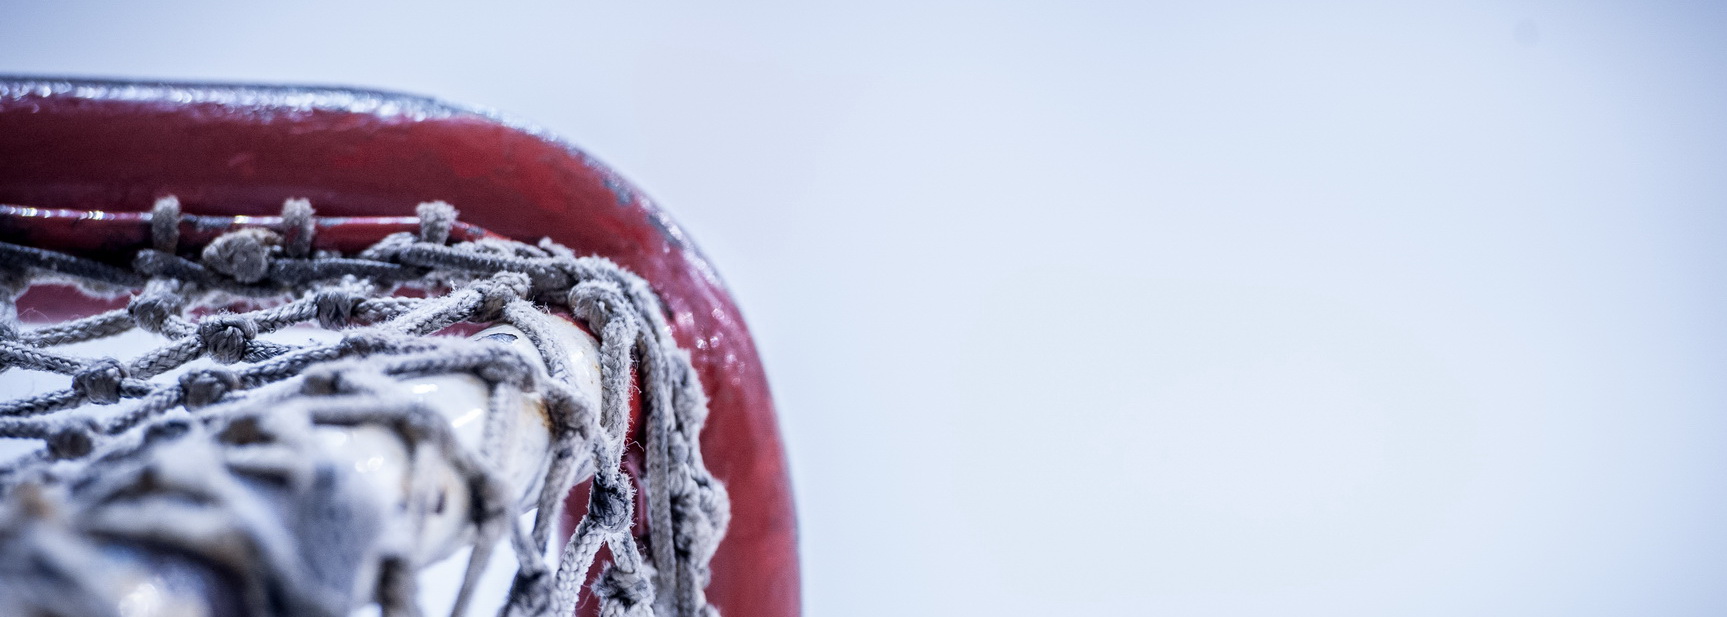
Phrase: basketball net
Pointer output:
(225, 454)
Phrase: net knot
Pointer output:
(597, 302)
(335, 307)
(225, 336)
(697, 514)
(243, 255)
(629, 590)
(206, 386)
(507, 367)
(363, 342)
(73, 441)
(322, 381)
(497, 292)
(530, 594)
(99, 381)
(153, 308)
(610, 500)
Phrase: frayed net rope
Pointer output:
(126, 474)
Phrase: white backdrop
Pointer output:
(1094, 308)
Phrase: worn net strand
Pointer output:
(167, 466)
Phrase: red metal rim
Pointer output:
(228, 150)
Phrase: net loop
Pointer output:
(243, 254)
(436, 220)
(165, 224)
(298, 227)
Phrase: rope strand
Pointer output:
(250, 421)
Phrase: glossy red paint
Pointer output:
(242, 150)
(101, 233)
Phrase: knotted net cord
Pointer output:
(130, 474)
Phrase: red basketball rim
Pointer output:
(80, 160)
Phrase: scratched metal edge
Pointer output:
(381, 103)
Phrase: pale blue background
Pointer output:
(1092, 308)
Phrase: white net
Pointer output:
(212, 447)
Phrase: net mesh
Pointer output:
(217, 463)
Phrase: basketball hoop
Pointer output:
(349, 379)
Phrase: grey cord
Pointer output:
(130, 474)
